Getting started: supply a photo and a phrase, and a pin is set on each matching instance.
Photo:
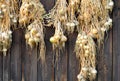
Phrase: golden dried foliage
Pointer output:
(31, 16)
(8, 11)
(90, 18)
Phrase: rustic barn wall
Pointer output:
(22, 64)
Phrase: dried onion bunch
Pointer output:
(59, 13)
(14, 11)
(5, 25)
(72, 9)
(94, 21)
(59, 39)
(30, 10)
(59, 17)
(34, 36)
(86, 52)
(31, 15)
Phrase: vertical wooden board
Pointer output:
(116, 50)
(6, 67)
(16, 56)
(30, 64)
(1, 67)
(23, 52)
(61, 65)
(46, 70)
(73, 62)
(104, 63)
(108, 52)
(33, 63)
(117, 3)
(29, 61)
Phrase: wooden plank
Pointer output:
(30, 64)
(117, 4)
(73, 62)
(1, 67)
(29, 61)
(108, 52)
(16, 56)
(6, 67)
(46, 70)
(61, 66)
(116, 8)
(105, 60)
(116, 50)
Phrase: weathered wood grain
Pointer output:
(23, 53)
(104, 63)
(1, 67)
(6, 67)
(61, 65)
(73, 62)
(46, 70)
(30, 64)
(109, 56)
(116, 50)
(116, 39)
(29, 61)
(16, 56)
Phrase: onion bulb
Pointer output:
(63, 38)
(53, 40)
(111, 4)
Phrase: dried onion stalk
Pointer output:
(31, 15)
(14, 11)
(59, 17)
(86, 51)
(30, 10)
(91, 19)
(94, 21)
(59, 39)
(72, 9)
(6, 8)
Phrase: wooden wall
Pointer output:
(21, 62)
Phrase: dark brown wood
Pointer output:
(73, 62)
(46, 70)
(117, 4)
(1, 67)
(61, 65)
(6, 67)
(16, 56)
(29, 61)
(23, 53)
(116, 43)
(108, 52)
(116, 50)
(104, 64)
(30, 64)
